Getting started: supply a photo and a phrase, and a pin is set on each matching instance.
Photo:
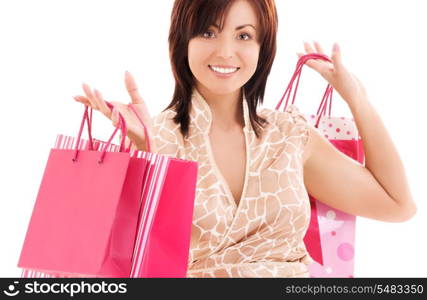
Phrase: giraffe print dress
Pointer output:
(263, 235)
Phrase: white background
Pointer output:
(49, 47)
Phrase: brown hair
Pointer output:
(191, 18)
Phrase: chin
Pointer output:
(223, 88)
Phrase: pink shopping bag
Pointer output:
(108, 227)
(164, 232)
(85, 204)
(331, 234)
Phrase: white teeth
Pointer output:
(223, 70)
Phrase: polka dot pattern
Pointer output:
(337, 229)
(336, 128)
(345, 251)
(330, 215)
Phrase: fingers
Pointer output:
(132, 89)
(318, 47)
(89, 96)
(82, 100)
(336, 57)
(313, 63)
(94, 99)
(135, 96)
(308, 48)
(101, 104)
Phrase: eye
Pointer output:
(248, 36)
(207, 32)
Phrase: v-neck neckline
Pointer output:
(223, 182)
(201, 118)
(200, 122)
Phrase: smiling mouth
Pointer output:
(225, 71)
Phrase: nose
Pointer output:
(225, 49)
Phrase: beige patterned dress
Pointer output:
(263, 235)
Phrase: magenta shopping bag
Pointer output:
(101, 216)
(164, 231)
(331, 234)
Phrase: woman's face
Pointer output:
(223, 62)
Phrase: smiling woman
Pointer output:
(250, 214)
(201, 38)
(255, 165)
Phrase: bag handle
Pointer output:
(147, 137)
(327, 97)
(148, 143)
(314, 246)
(90, 131)
(88, 118)
(89, 125)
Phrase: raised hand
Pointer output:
(94, 99)
(344, 82)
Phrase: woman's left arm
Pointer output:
(378, 190)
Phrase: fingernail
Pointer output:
(336, 47)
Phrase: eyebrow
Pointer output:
(238, 27)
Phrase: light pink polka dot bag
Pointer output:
(331, 234)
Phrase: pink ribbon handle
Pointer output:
(88, 119)
(312, 237)
(147, 137)
(327, 97)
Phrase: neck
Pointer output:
(226, 109)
